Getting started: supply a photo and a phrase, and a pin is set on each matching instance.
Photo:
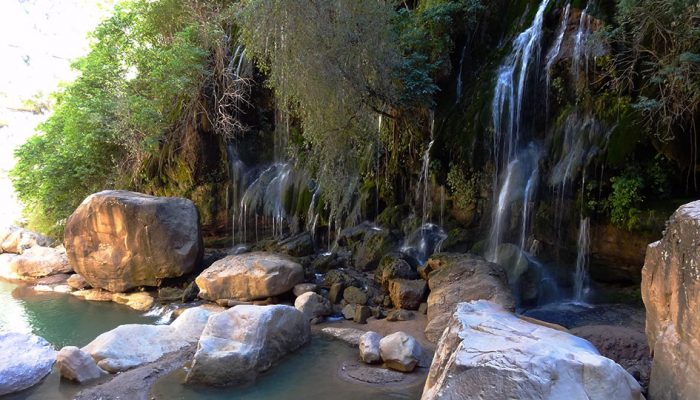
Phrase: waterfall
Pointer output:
(520, 165)
(553, 53)
(458, 89)
(582, 260)
(579, 51)
(237, 170)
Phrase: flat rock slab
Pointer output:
(354, 372)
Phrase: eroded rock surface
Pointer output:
(487, 352)
(118, 240)
(76, 365)
(671, 294)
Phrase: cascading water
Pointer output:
(582, 261)
(553, 53)
(458, 89)
(516, 167)
(579, 53)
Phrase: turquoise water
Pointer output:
(310, 373)
(62, 320)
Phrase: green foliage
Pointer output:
(128, 119)
(625, 199)
(465, 187)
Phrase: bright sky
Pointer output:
(38, 40)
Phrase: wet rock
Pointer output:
(399, 315)
(130, 346)
(335, 294)
(191, 293)
(77, 282)
(24, 361)
(362, 313)
(14, 239)
(671, 294)
(140, 301)
(456, 278)
(299, 245)
(400, 351)
(485, 346)
(355, 295)
(169, 294)
(349, 311)
(304, 288)
(243, 341)
(627, 347)
(393, 266)
(312, 305)
(76, 365)
(249, 276)
(119, 240)
(368, 244)
(38, 261)
(407, 294)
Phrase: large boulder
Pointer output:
(14, 239)
(487, 352)
(39, 261)
(671, 294)
(400, 351)
(407, 294)
(118, 240)
(239, 343)
(24, 361)
(130, 346)
(249, 276)
(76, 365)
(456, 278)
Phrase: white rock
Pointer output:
(76, 365)
(350, 336)
(488, 353)
(129, 346)
(400, 351)
(24, 360)
(313, 305)
(369, 347)
(14, 239)
(245, 340)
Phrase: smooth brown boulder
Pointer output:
(671, 294)
(407, 294)
(249, 276)
(456, 278)
(118, 240)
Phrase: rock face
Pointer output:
(368, 244)
(76, 365)
(249, 276)
(129, 346)
(39, 261)
(407, 294)
(24, 361)
(400, 351)
(487, 353)
(369, 347)
(456, 278)
(313, 305)
(239, 343)
(671, 294)
(14, 239)
(118, 240)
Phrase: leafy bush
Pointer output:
(625, 199)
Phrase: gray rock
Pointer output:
(369, 347)
(243, 341)
(14, 239)
(400, 351)
(76, 365)
(313, 305)
(350, 336)
(303, 288)
(24, 361)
